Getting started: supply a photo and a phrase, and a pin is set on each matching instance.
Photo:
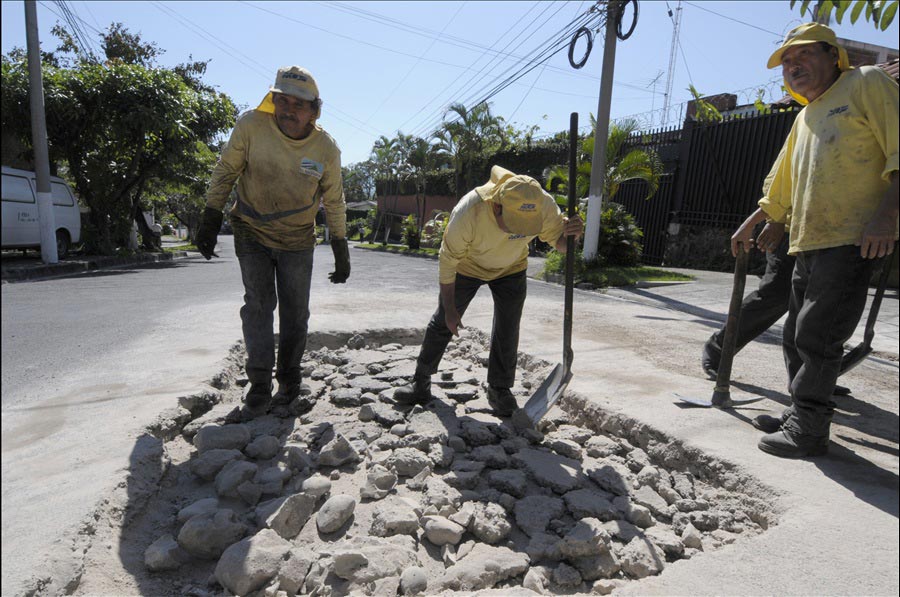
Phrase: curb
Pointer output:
(21, 274)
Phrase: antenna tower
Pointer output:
(676, 31)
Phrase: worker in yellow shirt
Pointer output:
(486, 242)
(284, 165)
(836, 183)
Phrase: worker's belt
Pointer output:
(248, 211)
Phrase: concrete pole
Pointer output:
(39, 137)
(598, 162)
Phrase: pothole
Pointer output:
(360, 496)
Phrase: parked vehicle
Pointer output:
(20, 225)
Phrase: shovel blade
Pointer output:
(717, 402)
(544, 398)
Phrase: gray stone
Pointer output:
(417, 483)
(692, 537)
(550, 470)
(379, 483)
(346, 397)
(293, 570)
(408, 462)
(566, 576)
(634, 513)
(537, 579)
(207, 535)
(249, 492)
(232, 475)
(384, 558)
(610, 476)
(367, 383)
(394, 517)
(278, 473)
(587, 538)
(543, 546)
(564, 447)
(208, 464)
(604, 565)
(203, 506)
(641, 558)
(334, 513)
(441, 495)
(338, 451)
(637, 459)
(493, 456)
(574, 433)
(587, 503)
(482, 568)
(457, 443)
(385, 415)
(623, 530)
(479, 432)
(666, 540)
(165, 554)
(441, 531)
(413, 581)
(647, 496)
(489, 524)
(534, 513)
(683, 483)
(317, 486)
(226, 437)
(263, 447)
(601, 446)
(511, 481)
(251, 563)
(464, 515)
(296, 456)
(290, 517)
(441, 455)
(651, 476)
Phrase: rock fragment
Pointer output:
(251, 563)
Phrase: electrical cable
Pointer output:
(778, 35)
(590, 45)
(620, 14)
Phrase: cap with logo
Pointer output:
(808, 33)
(520, 196)
(295, 81)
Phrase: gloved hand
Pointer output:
(341, 261)
(210, 222)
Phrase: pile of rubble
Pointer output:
(357, 495)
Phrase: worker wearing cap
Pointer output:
(284, 165)
(486, 242)
(836, 183)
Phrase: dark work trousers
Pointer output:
(272, 276)
(762, 307)
(828, 296)
(509, 298)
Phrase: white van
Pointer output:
(21, 229)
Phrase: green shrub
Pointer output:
(357, 228)
(411, 232)
(619, 237)
(433, 231)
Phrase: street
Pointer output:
(90, 360)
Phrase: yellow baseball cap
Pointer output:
(809, 33)
(521, 198)
(295, 81)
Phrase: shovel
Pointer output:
(721, 397)
(553, 387)
(860, 352)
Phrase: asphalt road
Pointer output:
(89, 360)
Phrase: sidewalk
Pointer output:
(18, 268)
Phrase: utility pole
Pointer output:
(39, 137)
(598, 161)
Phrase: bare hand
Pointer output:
(770, 237)
(742, 236)
(877, 238)
(453, 321)
(574, 226)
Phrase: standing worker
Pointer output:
(486, 242)
(837, 185)
(283, 164)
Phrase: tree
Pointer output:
(359, 181)
(880, 13)
(473, 135)
(122, 128)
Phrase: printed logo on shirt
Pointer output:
(515, 236)
(527, 207)
(311, 167)
(835, 111)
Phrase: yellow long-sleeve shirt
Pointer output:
(475, 246)
(836, 163)
(280, 182)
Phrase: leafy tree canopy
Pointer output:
(880, 13)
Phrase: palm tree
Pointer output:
(472, 134)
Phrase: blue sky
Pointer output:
(388, 66)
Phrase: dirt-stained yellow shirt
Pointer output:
(836, 164)
(280, 183)
(475, 246)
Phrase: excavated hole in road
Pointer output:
(358, 496)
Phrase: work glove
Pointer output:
(341, 261)
(210, 222)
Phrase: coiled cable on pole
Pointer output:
(590, 45)
(621, 13)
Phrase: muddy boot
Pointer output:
(770, 424)
(790, 442)
(502, 401)
(417, 392)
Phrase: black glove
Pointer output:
(210, 222)
(341, 261)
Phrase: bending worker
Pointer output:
(283, 164)
(486, 242)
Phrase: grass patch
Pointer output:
(611, 275)
(179, 248)
(400, 249)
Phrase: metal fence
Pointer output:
(714, 175)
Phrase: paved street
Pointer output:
(89, 360)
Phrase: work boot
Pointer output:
(502, 401)
(258, 398)
(770, 424)
(841, 391)
(789, 442)
(288, 391)
(710, 358)
(417, 392)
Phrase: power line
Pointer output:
(778, 35)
